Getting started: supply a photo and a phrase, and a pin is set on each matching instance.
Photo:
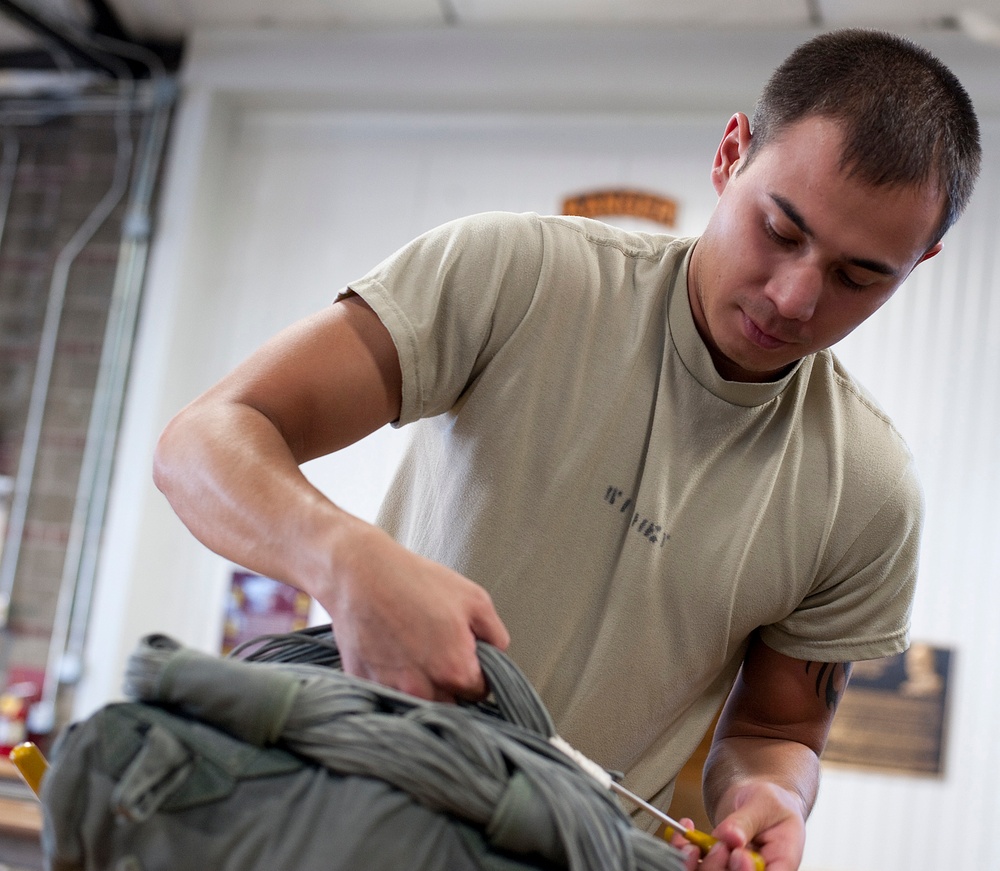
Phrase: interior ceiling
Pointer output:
(34, 26)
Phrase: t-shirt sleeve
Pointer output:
(450, 299)
(861, 610)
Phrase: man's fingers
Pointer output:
(742, 860)
(486, 624)
(466, 681)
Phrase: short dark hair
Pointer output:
(906, 118)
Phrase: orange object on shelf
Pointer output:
(15, 702)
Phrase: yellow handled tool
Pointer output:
(701, 840)
(31, 765)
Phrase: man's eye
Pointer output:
(777, 237)
(849, 282)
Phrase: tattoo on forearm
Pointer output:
(831, 680)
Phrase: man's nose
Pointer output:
(795, 291)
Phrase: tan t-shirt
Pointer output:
(634, 516)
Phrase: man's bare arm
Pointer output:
(229, 465)
(762, 773)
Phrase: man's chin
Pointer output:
(753, 369)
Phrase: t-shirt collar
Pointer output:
(696, 358)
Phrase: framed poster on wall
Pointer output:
(893, 715)
(258, 605)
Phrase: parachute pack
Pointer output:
(279, 761)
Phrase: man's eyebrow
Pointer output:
(793, 215)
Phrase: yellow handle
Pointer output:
(758, 860)
(705, 843)
(28, 760)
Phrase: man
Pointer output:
(639, 446)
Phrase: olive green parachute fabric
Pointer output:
(282, 761)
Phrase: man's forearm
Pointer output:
(736, 764)
(234, 483)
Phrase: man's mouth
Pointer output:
(761, 337)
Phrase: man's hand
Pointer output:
(408, 622)
(767, 820)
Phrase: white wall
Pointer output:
(932, 356)
(299, 161)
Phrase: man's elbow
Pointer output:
(169, 454)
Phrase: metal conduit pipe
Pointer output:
(43, 369)
(43, 712)
(8, 173)
(23, 112)
(80, 568)
(80, 563)
(48, 33)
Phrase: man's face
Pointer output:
(796, 253)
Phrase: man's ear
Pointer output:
(930, 252)
(731, 151)
(927, 255)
